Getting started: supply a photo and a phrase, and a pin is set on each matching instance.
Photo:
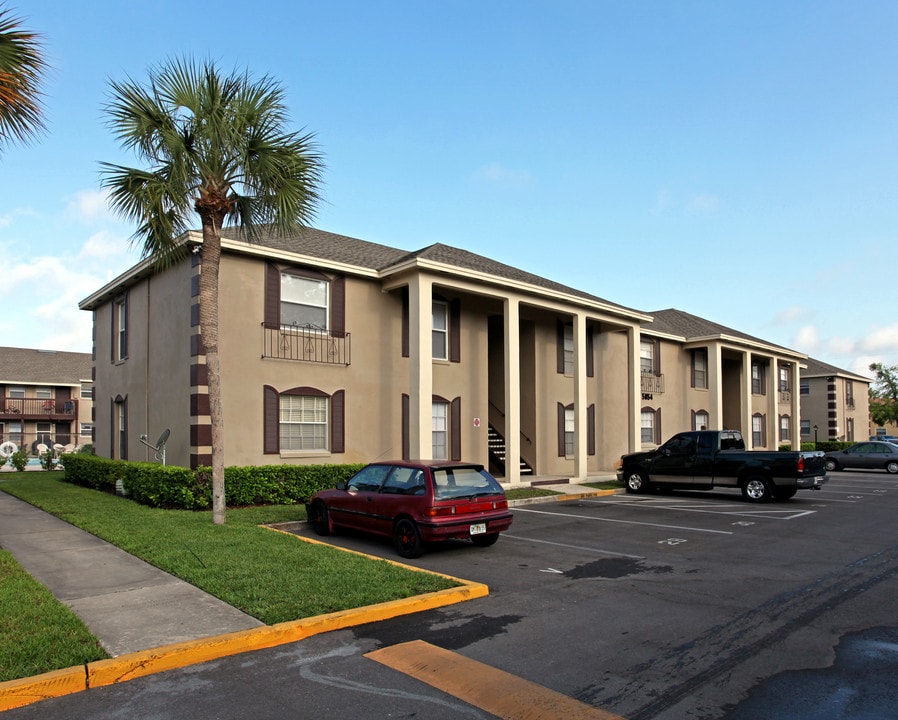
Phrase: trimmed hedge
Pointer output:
(169, 486)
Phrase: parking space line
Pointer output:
(623, 522)
(483, 686)
(573, 547)
(740, 509)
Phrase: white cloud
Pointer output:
(497, 174)
(89, 206)
(793, 314)
(703, 204)
(807, 340)
(102, 245)
(881, 340)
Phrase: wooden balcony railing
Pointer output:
(306, 343)
(38, 409)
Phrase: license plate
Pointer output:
(478, 529)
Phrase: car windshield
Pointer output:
(451, 483)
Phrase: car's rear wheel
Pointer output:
(319, 518)
(485, 540)
(784, 493)
(892, 467)
(756, 489)
(831, 465)
(407, 539)
(637, 481)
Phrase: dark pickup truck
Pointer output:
(708, 459)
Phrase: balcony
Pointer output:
(38, 409)
(306, 344)
(651, 383)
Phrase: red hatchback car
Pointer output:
(415, 502)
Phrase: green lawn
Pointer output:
(269, 575)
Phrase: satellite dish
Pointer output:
(163, 438)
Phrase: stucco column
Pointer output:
(795, 422)
(773, 406)
(715, 387)
(745, 410)
(512, 391)
(635, 418)
(580, 397)
(420, 348)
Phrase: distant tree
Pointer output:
(22, 67)
(218, 150)
(884, 394)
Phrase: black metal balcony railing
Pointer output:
(652, 383)
(306, 343)
(12, 408)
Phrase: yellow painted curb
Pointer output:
(16, 693)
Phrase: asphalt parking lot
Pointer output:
(689, 605)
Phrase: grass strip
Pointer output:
(268, 575)
(37, 632)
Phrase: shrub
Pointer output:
(169, 486)
(19, 459)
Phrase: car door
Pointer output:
(675, 463)
(357, 507)
(860, 456)
(401, 492)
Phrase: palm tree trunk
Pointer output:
(208, 297)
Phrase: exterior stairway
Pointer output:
(496, 443)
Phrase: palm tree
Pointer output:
(216, 146)
(21, 68)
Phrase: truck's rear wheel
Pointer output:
(756, 489)
(637, 481)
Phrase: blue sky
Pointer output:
(736, 160)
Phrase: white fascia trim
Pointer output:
(298, 258)
(482, 278)
(738, 343)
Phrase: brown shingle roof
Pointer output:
(24, 366)
(678, 322)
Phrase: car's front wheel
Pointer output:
(831, 465)
(636, 481)
(485, 540)
(319, 519)
(892, 467)
(407, 539)
(756, 489)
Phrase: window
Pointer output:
(804, 387)
(440, 430)
(569, 424)
(86, 431)
(757, 379)
(785, 430)
(440, 334)
(651, 427)
(43, 393)
(14, 432)
(849, 430)
(304, 301)
(647, 356)
(700, 369)
(805, 428)
(119, 329)
(368, 479)
(758, 433)
(15, 391)
(784, 378)
(568, 349)
(120, 428)
(43, 431)
(700, 420)
(849, 393)
(87, 391)
(303, 422)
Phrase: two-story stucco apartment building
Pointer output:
(335, 350)
(46, 397)
(835, 404)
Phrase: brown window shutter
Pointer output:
(405, 422)
(338, 424)
(591, 430)
(127, 310)
(338, 305)
(559, 351)
(455, 331)
(405, 322)
(455, 429)
(271, 440)
(560, 430)
(656, 355)
(764, 430)
(272, 296)
(590, 352)
(658, 426)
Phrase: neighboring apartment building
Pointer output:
(337, 350)
(835, 404)
(696, 373)
(46, 396)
